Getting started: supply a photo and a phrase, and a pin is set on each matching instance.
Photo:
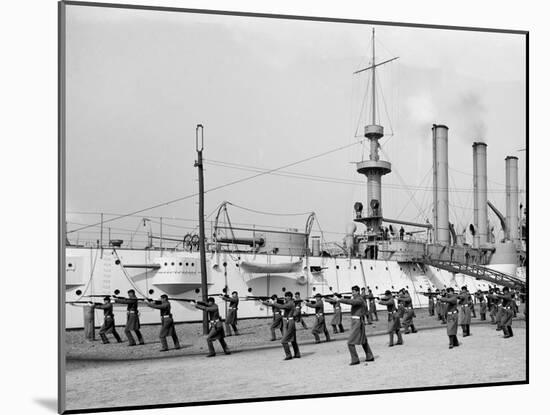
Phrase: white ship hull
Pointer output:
(93, 271)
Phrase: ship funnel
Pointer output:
(512, 220)
(441, 183)
(480, 193)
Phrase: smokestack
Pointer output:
(441, 183)
(512, 198)
(480, 193)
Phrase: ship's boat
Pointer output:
(283, 268)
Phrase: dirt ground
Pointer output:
(117, 375)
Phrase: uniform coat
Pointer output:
(394, 322)
(216, 325)
(289, 324)
(357, 335)
(108, 325)
(452, 313)
(464, 311)
(320, 325)
(231, 317)
(132, 321)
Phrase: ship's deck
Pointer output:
(255, 369)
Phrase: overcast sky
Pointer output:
(272, 92)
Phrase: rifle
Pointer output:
(81, 302)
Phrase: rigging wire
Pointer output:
(269, 213)
(244, 179)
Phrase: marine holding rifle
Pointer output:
(394, 321)
(108, 325)
(320, 325)
(277, 322)
(289, 325)
(336, 321)
(132, 317)
(298, 312)
(167, 322)
(231, 317)
(451, 300)
(215, 325)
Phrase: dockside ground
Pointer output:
(142, 375)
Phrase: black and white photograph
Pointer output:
(266, 207)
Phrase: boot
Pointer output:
(353, 353)
(224, 346)
(413, 329)
(117, 337)
(369, 357)
(131, 341)
(327, 335)
(451, 342)
(399, 337)
(227, 330)
(235, 330)
(334, 329)
(176, 342)
(211, 351)
(391, 339)
(341, 326)
(468, 330)
(463, 326)
(139, 337)
(455, 341)
(104, 338)
(287, 351)
(499, 327)
(482, 317)
(505, 330)
(510, 331)
(304, 324)
(376, 315)
(273, 338)
(317, 339)
(164, 344)
(296, 349)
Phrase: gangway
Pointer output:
(476, 271)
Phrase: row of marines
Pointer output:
(452, 308)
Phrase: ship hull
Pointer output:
(151, 273)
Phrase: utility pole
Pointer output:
(198, 163)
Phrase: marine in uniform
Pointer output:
(431, 305)
(167, 322)
(216, 326)
(372, 305)
(464, 315)
(108, 325)
(451, 300)
(482, 305)
(365, 297)
(320, 325)
(298, 311)
(289, 326)
(132, 319)
(336, 321)
(497, 307)
(231, 317)
(408, 311)
(507, 312)
(357, 335)
(277, 322)
(472, 306)
(444, 306)
(394, 322)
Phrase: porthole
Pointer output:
(78, 292)
(249, 289)
(224, 264)
(392, 287)
(313, 289)
(237, 265)
(117, 292)
(400, 269)
(354, 267)
(187, 264)
(173, 264)
(386, 268)
(192, 264)
(414, 269)
(224, 290)
(330, 288)
(371, 268)
(166, 263)
(283, 289)
(70, 265)
(337, 266)
(181, 263)
(407, 286)
(197, 290)
(117, 262)
(420, 286)
(151, 291)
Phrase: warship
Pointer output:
(377, 252)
